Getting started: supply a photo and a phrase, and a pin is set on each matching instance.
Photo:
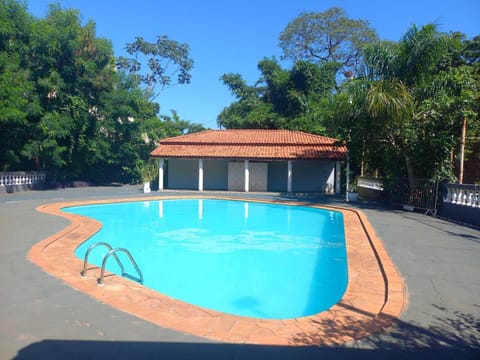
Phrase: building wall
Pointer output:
(215, 174)
(277, 176)
(183, 174)
(313, 175)
(258, 176)
(308, 175)
(236, 176)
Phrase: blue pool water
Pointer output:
(249, 259)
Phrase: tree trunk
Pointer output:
(411, 173)
(462, 150)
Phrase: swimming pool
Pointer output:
(244, 258)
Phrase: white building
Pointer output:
(251, 160)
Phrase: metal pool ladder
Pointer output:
(113, 252)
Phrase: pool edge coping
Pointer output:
(352, 318)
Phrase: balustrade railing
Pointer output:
(21, 180)
(465, 195)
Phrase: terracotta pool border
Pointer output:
(374, 299)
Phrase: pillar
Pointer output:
(338, 177)
(160, 174)
(200, 175)
(247, 176)
(347, 178)
(289, 176)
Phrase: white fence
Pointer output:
(465, 195)
(453, 201)
(21, 181)
(462, 203)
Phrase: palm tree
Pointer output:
(385, 97)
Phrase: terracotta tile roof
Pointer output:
(250, 144)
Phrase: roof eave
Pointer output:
(254, 158)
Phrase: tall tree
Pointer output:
(70, 68)
(329, 36)
(64, 107)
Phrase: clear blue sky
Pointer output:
(234, 35)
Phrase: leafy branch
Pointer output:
(167, 64)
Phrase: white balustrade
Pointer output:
(20, 180)
(464, 195)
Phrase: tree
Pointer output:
(174, 126)
(127, 131)
(471, 52)
(455, 104)
(70, 68)
(375, 117)
(249, 111)
(65, 109)
(167, 64)
(403, 106)
(281, 99)
(327, 37)
(18, 101)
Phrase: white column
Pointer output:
(160, 174)
(338, 177)
(200, 175)
(247, 176)
(347, 178)
(289, 176)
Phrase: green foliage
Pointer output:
(295, 99)
(471, 53)
(327, 37)
(409, 103)
(159, 58)
(148, 169)
(174, 126)
(17, 97)
(63, 106)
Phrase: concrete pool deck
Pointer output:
(41, 317)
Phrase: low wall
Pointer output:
(461, 203)
(456, 202)
(21, 181)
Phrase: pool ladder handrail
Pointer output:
(113, 252)
(87, 253)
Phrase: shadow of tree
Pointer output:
(454, 337)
